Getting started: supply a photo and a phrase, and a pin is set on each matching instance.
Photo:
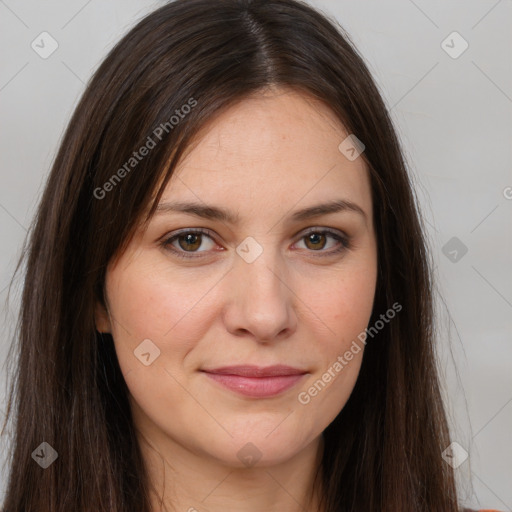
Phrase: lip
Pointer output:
(248, 370)
(255, 381)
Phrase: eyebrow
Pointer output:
(223, 215)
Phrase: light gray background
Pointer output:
(452, 114)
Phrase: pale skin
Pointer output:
(298, 303)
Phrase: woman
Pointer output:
(228, 298)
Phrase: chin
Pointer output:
(260, 448)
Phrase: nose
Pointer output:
(262, 303)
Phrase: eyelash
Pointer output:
(345, 242)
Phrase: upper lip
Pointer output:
(257, 371)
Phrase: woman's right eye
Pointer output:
(188, 242)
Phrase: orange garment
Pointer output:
(482, 510)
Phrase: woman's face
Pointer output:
(265, 287)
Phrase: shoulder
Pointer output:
(481, 510)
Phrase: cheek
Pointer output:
(148, 304)
(345, 307)
(344, 304)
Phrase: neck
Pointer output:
(187, 481)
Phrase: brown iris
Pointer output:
(314, 237)
(193, 241)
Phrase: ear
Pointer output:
(101, 318)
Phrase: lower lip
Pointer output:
(257, 387)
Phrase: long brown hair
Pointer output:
(383, 451)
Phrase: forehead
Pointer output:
(271, 151)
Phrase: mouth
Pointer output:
(257, 382)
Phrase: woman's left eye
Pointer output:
(190, 240)
(317, 240)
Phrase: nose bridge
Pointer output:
(260, 266)
(262, 300)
